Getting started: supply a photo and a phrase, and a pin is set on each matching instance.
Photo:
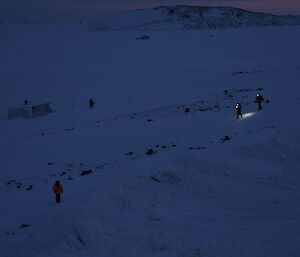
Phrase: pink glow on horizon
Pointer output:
(85, 8)
(275, 6)
(267, 6)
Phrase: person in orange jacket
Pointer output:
(58, 190)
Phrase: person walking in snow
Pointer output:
(238, 108)
(92, 103)
(58, 190)
(259, 99)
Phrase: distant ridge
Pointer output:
(184, 17)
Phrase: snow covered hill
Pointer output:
(182, 17)
(160, 167)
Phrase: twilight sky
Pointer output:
(90, 8)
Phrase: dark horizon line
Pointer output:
(210, 6)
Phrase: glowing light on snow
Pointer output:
(248, 115)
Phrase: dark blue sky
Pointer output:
(90, 8)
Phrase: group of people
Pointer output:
(58, 188)
(259, 99)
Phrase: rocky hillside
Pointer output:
(182, 17)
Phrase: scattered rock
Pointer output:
(226, 93)
(24, 226)
(10, 233)
(143, 37)
(187, 110)
(245, 90)
(154, 178)
(63, 173)
(226, 138)
(166, 177)
(69, 129)
(50, 163)
(150, 151)
(129, 153)
(197, 148)
(154, 217)
(205, 109)
(245, 72)
(85, 172)
(11, 181)
(29, 188)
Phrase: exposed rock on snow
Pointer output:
(24, 226)
(181, 17)
(197, 148)
(225, 138)
(29, 188)
(150, 152)
(143, 37)
(166, 177)
(85, 172)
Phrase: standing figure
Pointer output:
(58, 190)
(259, 99)
(238, 108)
(92, 103)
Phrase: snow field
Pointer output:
(196, 194)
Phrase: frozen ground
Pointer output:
(195, 194)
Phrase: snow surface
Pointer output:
(196, 193)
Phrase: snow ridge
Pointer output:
(182, 17)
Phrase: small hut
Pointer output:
(29, 110)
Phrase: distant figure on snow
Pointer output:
(92, 103)
(259, 99)
(238, 108)
(58, 190)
